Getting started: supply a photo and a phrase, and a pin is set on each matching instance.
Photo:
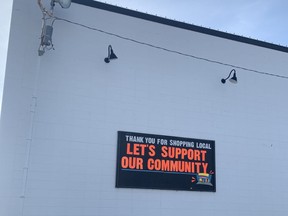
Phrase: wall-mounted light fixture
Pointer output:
(233, 79)
(111, 55)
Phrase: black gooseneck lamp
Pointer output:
(233, 79)
(111, 55)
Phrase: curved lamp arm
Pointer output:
(233, 79)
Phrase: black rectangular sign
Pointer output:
(165, 162)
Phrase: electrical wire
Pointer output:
(44, 10)
(169, 50)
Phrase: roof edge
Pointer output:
(178, 24)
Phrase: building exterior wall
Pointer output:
(61, 113)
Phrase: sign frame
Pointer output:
(150, 161)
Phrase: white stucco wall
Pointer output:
(61, 113)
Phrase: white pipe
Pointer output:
(29, 138)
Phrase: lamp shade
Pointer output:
(112, 55)
(233, 79)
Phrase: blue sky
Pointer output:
(259, 19)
